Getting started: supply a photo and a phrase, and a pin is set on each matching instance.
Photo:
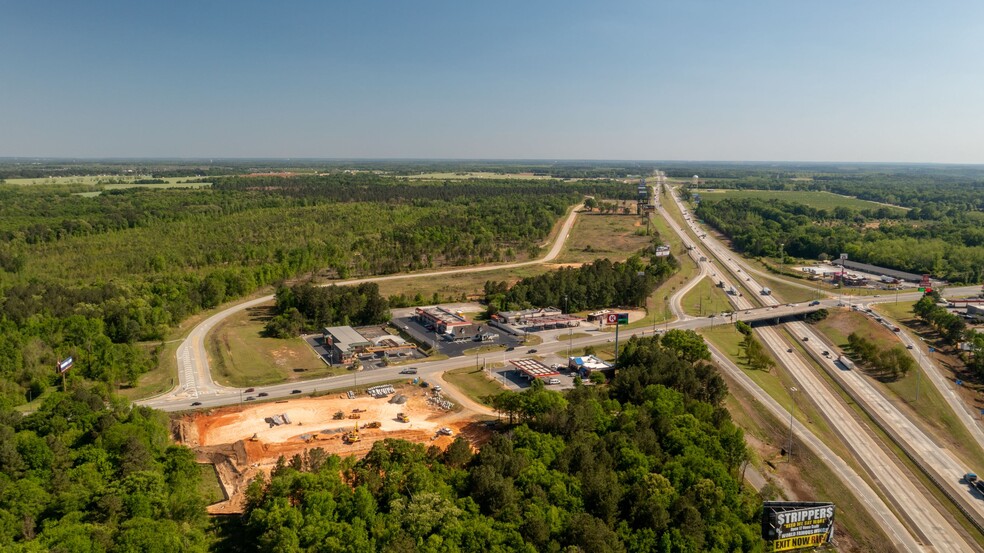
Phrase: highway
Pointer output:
(934, 526)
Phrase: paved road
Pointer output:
(932, 524)
(194, 374)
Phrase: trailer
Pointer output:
(845, 362)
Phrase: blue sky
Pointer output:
(697, 80)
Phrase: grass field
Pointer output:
(817, 200)
(473, 382)
(209, 487)
(240, 356)
(705, 298)
(171, 182)
(597, 236)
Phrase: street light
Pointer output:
(782, 258)
(789, 448)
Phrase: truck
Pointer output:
(766, 292)
(845, 362)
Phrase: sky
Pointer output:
(898, 81)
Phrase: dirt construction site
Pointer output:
(243, 441)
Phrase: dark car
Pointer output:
(531, 351)
(295, 391)
(248, 390)
(410, 370)
(789, 350)
(263, 394)
(196, 404)
(250, 398)
(510, 348)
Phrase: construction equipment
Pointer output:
(402, 417)
(353, 436)
(373, 424)
(339, 415)
(355, 416)
(254, 438)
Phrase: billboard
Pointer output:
(65, 365)
(791, 525)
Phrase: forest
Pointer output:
(950, 248)
(87, 472)
(650, 463)
(314, 307)
(95, 276)
(592, 286)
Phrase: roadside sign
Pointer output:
(616, 318)
(921, 289)
(65, 364)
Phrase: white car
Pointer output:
(553, 381)
(445, 431)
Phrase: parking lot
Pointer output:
(453, 349)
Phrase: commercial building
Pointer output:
(876, 270)
(586, 364)
(343, 344)
(525, 316)
(440, 319)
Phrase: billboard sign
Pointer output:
(791, 525)
(65, 365)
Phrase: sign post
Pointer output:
(616, 319)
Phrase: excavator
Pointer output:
(353, 436)
(402, 417)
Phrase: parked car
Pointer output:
(437, 388)
(553, 381)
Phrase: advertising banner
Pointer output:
(791, 525)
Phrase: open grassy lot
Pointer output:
(473, 382)
(171, 182)
(240, 356)
(475, 175)
(457, 285)
(705, 298)
(931, 412)
(161, 378)
(818, 200)
(209, 487)
(597, 236)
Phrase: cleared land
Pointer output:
(706, 298)
(243, 442)
(818, 200)
(597, 235)
(473, 382)
(243, 357)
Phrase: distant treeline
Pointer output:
(950, 248)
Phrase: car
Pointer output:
(263, 394)
(806, 338)
(553, 381)
(789, 350)
(814, 302)
(826, 353)
(908, 346)
(510, 348)
(436, 388)
(250, 398)
(248, 390)
(295, 391)
(446, 431)
(531, 351)
(196, 404)
(410, 370)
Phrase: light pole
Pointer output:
(782, 258)
(570, 341)
(789, 449)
